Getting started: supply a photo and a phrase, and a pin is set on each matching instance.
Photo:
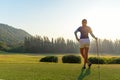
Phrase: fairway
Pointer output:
(28, 67)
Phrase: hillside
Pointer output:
(11, 35)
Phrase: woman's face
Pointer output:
(84, 23)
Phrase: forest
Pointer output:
(38, 44)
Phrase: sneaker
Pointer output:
(89, 65)
(83, 67)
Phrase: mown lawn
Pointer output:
(28, 67)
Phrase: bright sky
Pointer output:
(55, 18)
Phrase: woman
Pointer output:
(84, 41)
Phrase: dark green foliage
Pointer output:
(49, 59)
(19, 49)
(114, 60)
(71, 59)
(3, 46)
(94, 60)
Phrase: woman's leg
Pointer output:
(86, 55)
(82, 50)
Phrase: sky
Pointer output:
(60, 18)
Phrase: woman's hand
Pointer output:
(96, 38)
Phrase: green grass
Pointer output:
(28, 67)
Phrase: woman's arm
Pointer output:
(76, 35)
(93, 35)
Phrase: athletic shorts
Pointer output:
(84, 43)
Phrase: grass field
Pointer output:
(28, 67)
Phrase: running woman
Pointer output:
(84, 41)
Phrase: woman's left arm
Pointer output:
(93, 35)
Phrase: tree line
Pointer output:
(106, 46)
(38, 44)
(60, 45)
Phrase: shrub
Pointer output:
(71, 59)
(114, 60)
(49, 59)
(94, 60)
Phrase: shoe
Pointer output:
(83, 67)
(89, 65)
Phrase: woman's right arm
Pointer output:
(76, 35)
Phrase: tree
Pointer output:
(3, 46)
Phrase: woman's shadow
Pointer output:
(84, 73)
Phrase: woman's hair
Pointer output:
(84, 20)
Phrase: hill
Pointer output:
(11, 35)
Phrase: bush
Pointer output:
(94, 60)
(114, 60)
(71, 59)
(49, 59)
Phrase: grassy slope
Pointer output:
(27, 67)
